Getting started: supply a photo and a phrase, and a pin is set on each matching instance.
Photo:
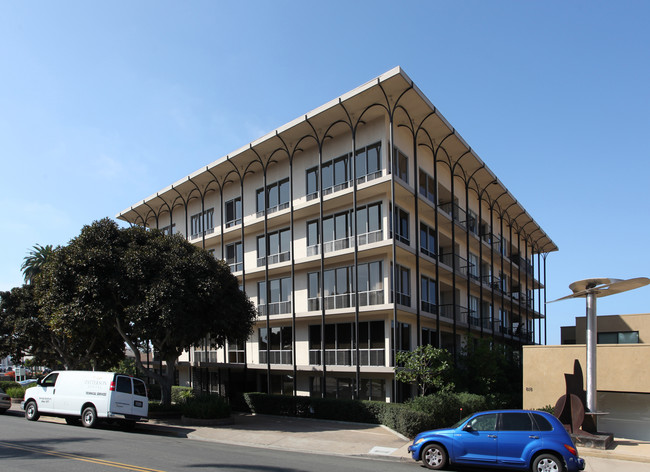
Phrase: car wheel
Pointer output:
(89, 417)
(31, 411)
(547, 463)
(434, 456)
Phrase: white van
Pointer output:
(88, 395)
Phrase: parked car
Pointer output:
(89, 396)
(506, 439)
(5, 401)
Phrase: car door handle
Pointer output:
(533, 437)
(491, 435)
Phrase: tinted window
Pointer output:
(123, 385)
(139, 388)
(484, 422)
(50, 380)
(516, 422)
(542, 423)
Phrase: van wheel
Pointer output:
(89, 417)
(31, 411)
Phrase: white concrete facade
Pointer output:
(466, 259)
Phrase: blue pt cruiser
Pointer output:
(513, 439)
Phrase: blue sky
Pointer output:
(103, 104)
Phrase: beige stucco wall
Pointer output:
(616, 323)
(621, 368)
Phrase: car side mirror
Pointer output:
(468, 428)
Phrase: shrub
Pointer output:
(399, 417)
(16, 392)
(156, 407)
(5, 384)
(548, 409)
(206, 407)
(445, 409)
(181, 394)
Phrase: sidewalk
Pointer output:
(330, 437)
(342, 438)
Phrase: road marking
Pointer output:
(75, 457)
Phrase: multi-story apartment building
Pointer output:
(362, 228)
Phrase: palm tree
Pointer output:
(33, 263)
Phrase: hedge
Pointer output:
(206, 407)
(396, 416)
(181, 394)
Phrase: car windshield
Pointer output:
(460, 422)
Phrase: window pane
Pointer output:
(312, 181)
(261, 293)
(362, 220)
(312, 233)
(273, 195)
(373, 158)
(341, 226)
(342, 280)
(328, 177)
(344, 338)
(260, 199)
(361, 162)
(123, 384)
(340, 171)
(286, 289)
(275, 290)
(377, 335)
(314, 287)
(329, 282)
(631, 337)
(275, 339)
(284, 191)
(286, 338)
(263, 339)
(328, 229)
(261, 247)
(516, 422)
(362, 273)
(484, 423)
(376, 276)
(274, 243)
(374, 217)
(314, 337)
(330, 336)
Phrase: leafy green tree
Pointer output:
(427, 366)
(493, 369)
(34, 262)
(148, 287)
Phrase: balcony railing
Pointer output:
(276, 356)
(450, 311)
(461, 264)
(274, 258)
(455, 212)
(345, 243)
(205, 356)
(346, 300)
(276, 308)
(369, 357)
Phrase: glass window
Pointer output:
(542, 423)
(312, 183)
(139, 388)
(314, 285)
(312, 233)
(328, 176)
(516, 422)
(50, 380)
(123, 384)
(484, 422)
(233, 212)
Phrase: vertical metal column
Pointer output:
(591, 351)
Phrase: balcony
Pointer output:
(274, 258)
(345, 243)
(276, 356)
(346, 300)
(450, 312)
(368, 357)
(455, 212)
(276, 308)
